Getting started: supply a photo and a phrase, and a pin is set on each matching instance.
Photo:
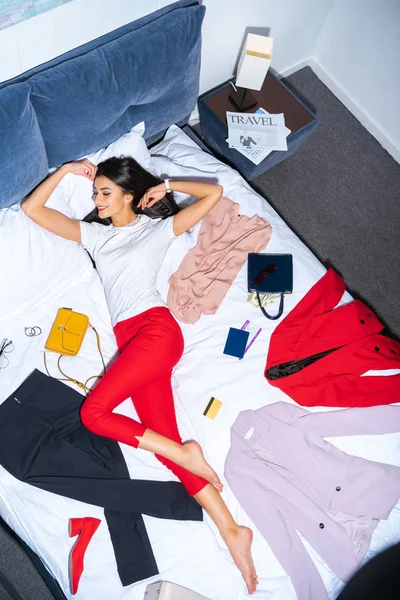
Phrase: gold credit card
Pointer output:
(212, 408)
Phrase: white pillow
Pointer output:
(131, 143)
(78, 190)
(35, 264)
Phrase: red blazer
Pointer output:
(315, 326)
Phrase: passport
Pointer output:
(236, 342)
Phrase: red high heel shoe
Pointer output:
(85, 528)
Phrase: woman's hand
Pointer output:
(49, 218)
(152, 196)
(81, 167)
(208, 195)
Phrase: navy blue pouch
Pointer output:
(271, 273)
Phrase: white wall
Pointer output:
(294, 23)
(357, 55)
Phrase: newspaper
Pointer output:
(256, 154)
(251, 130)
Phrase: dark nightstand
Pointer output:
(274, 97)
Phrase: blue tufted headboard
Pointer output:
(83, 100)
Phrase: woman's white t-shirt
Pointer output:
(128, 260)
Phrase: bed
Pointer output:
(51, 115)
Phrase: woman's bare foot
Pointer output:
(197, 464)
(239, 544)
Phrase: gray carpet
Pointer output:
(19, 571)
(340, 192)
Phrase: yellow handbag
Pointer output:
(66, 337)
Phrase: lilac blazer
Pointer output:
(288, 477)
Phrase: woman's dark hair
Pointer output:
(126, 172)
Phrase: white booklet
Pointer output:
(256, 130)
(256, 154)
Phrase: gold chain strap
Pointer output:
(83, 386)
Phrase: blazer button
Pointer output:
(376, 348)
(393, 351)
(338, 488)
(362, 321)
(321, 525)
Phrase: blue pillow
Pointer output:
(23, 160)
(150, 74)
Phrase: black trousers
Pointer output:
(43, 443)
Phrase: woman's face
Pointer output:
(109, 198)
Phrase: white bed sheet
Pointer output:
(190, 554)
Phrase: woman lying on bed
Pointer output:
(127, 240)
